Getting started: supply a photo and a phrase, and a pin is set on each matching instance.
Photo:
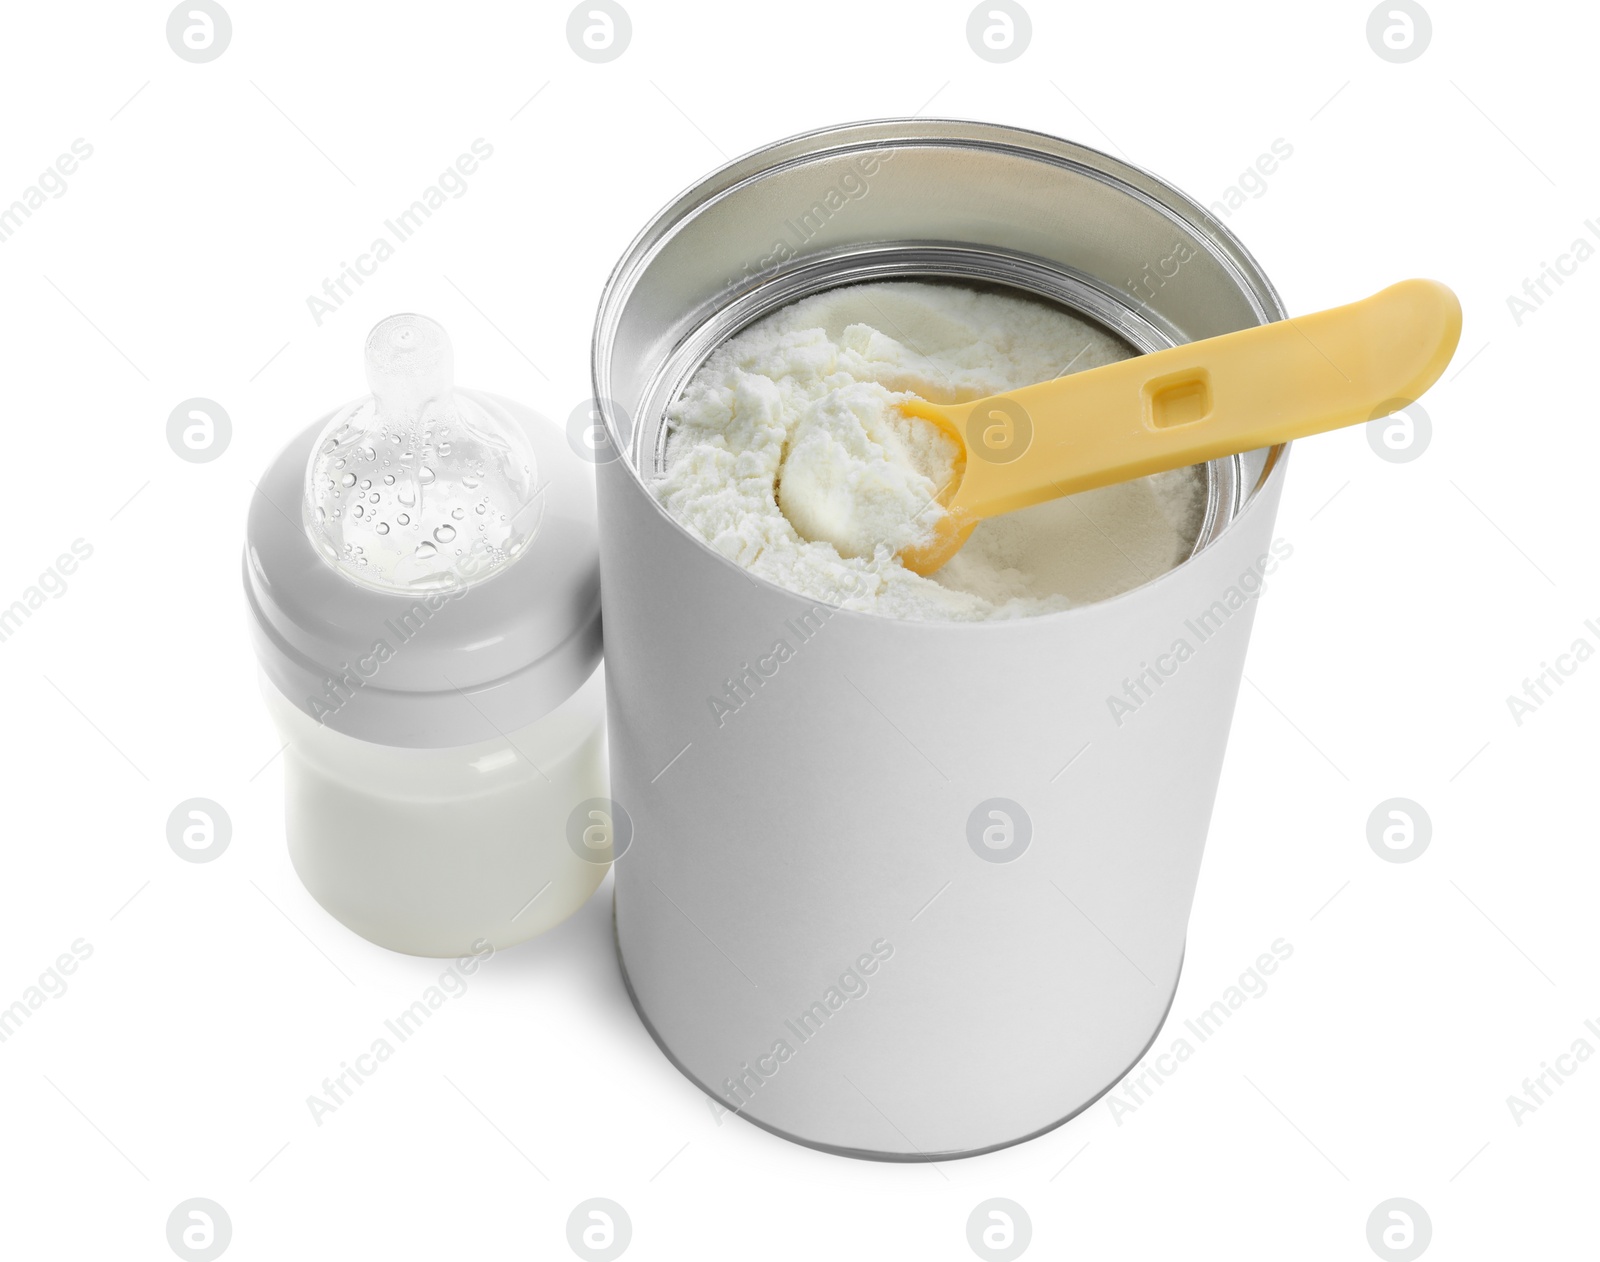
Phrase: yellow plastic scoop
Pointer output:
(1254, 388)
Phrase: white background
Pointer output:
(218, 996)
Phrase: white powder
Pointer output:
(789, 435)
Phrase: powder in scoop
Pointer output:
(789, 436)
(858, 472)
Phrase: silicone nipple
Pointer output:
(416, 487)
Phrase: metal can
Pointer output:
(925, 892)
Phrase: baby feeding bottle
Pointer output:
(424, 591)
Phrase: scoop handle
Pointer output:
(1254, 388)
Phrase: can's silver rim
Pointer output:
(1229, 483)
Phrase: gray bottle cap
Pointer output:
(429, 669)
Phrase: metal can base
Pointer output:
(864, 1154)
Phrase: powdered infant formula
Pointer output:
(787, 453)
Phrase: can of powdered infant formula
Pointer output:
(911, 889)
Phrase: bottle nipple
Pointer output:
(416, 487)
